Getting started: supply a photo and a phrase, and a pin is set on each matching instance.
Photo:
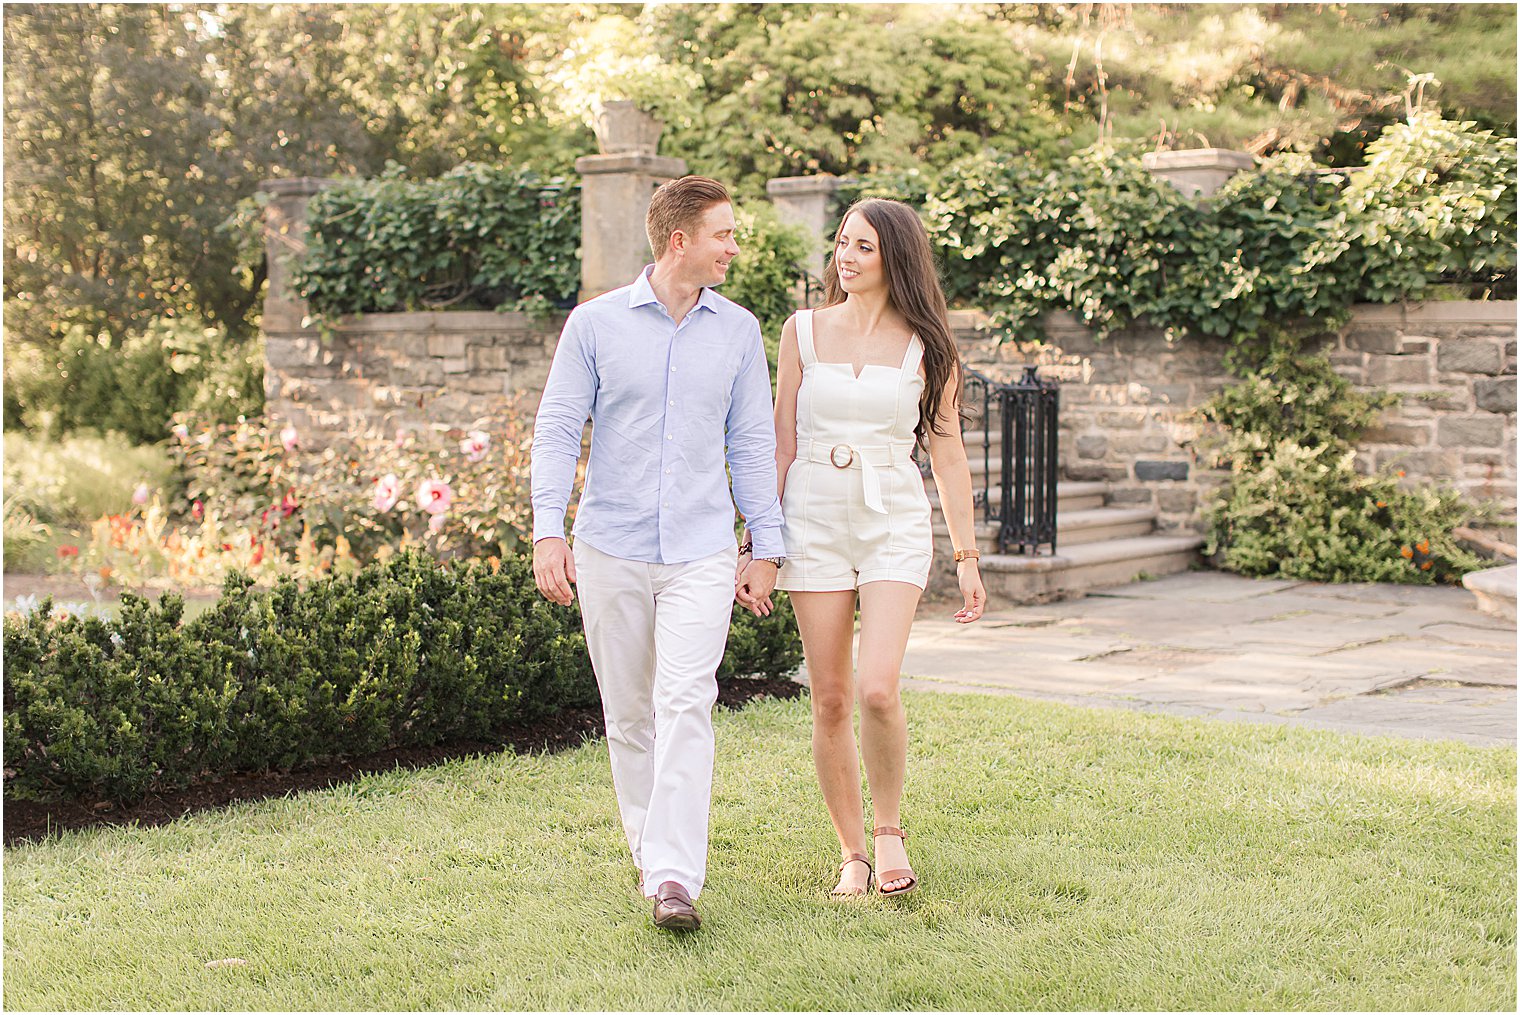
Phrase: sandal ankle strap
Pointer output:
(856, 857)
(889, 830)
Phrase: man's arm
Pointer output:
(569, 395)
(752, 450)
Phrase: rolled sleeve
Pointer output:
(568, 399)
(751, 450)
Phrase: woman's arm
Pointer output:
(788, 381)
(952, 478)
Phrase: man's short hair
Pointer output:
(680, 204)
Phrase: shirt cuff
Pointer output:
(549, 525)
(768, 542)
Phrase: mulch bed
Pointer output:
(28, 820)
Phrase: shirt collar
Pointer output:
(643, 293)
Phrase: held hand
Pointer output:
(554, 570)
(972, 591)
(754, 587)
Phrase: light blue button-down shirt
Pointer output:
(668, 404)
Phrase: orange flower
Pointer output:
(1401, 473)
(1406, 552)
(1423, 546)
(1425, 566)
(1382, 503)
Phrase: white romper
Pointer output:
(854, 502)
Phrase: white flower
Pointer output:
(25, 605)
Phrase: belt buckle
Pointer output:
(834, 456)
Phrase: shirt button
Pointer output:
(669, 437)
(672, 369)
(667, 472)
(672, 401)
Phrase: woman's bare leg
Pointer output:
(826, 621)
(886, 617)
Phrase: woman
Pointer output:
(859, 383)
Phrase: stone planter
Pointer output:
(622, 128)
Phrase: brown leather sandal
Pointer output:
(870, 876)
(897, 874)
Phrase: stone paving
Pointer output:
(1399, 660)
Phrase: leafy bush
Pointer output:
(1300, 399)
(1306, 513)
(409, 652)
(1436, 202)
(764, 278)
(478, 237)
(92, 382)
(26, 541)
(75, 479)
(1295, 506)
(1098, 235)
(256, 500)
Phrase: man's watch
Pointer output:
(778, 561)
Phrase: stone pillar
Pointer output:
(615, 192)
(805, 201)
(284, 241)
(1197, 172)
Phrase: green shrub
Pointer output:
(73, 480)
(1295, 506)
(1293, 398)
(764, 277)
(1435, 203)
(404, 653)
(478, 237)
(1306, 513)
(1098, 235)
(133, 386)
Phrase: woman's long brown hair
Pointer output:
(913, 288)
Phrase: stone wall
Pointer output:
(415, 369)
(386, 370)
(1125, 401)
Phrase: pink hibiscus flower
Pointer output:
(387, 492)
(475, 444)
(434, 496)
(436, 523)
(290, 437)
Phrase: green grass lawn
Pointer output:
(1071, 859)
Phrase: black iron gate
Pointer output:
(1022, 419)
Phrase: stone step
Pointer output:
(1494, 589)
(1071, 495)
(1074, 528)
(1016, 578)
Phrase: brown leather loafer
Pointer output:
(673, 909)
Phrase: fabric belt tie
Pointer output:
(868, 458)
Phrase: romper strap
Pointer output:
(913, 356)
(805, 337)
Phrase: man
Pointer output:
(674, 379)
